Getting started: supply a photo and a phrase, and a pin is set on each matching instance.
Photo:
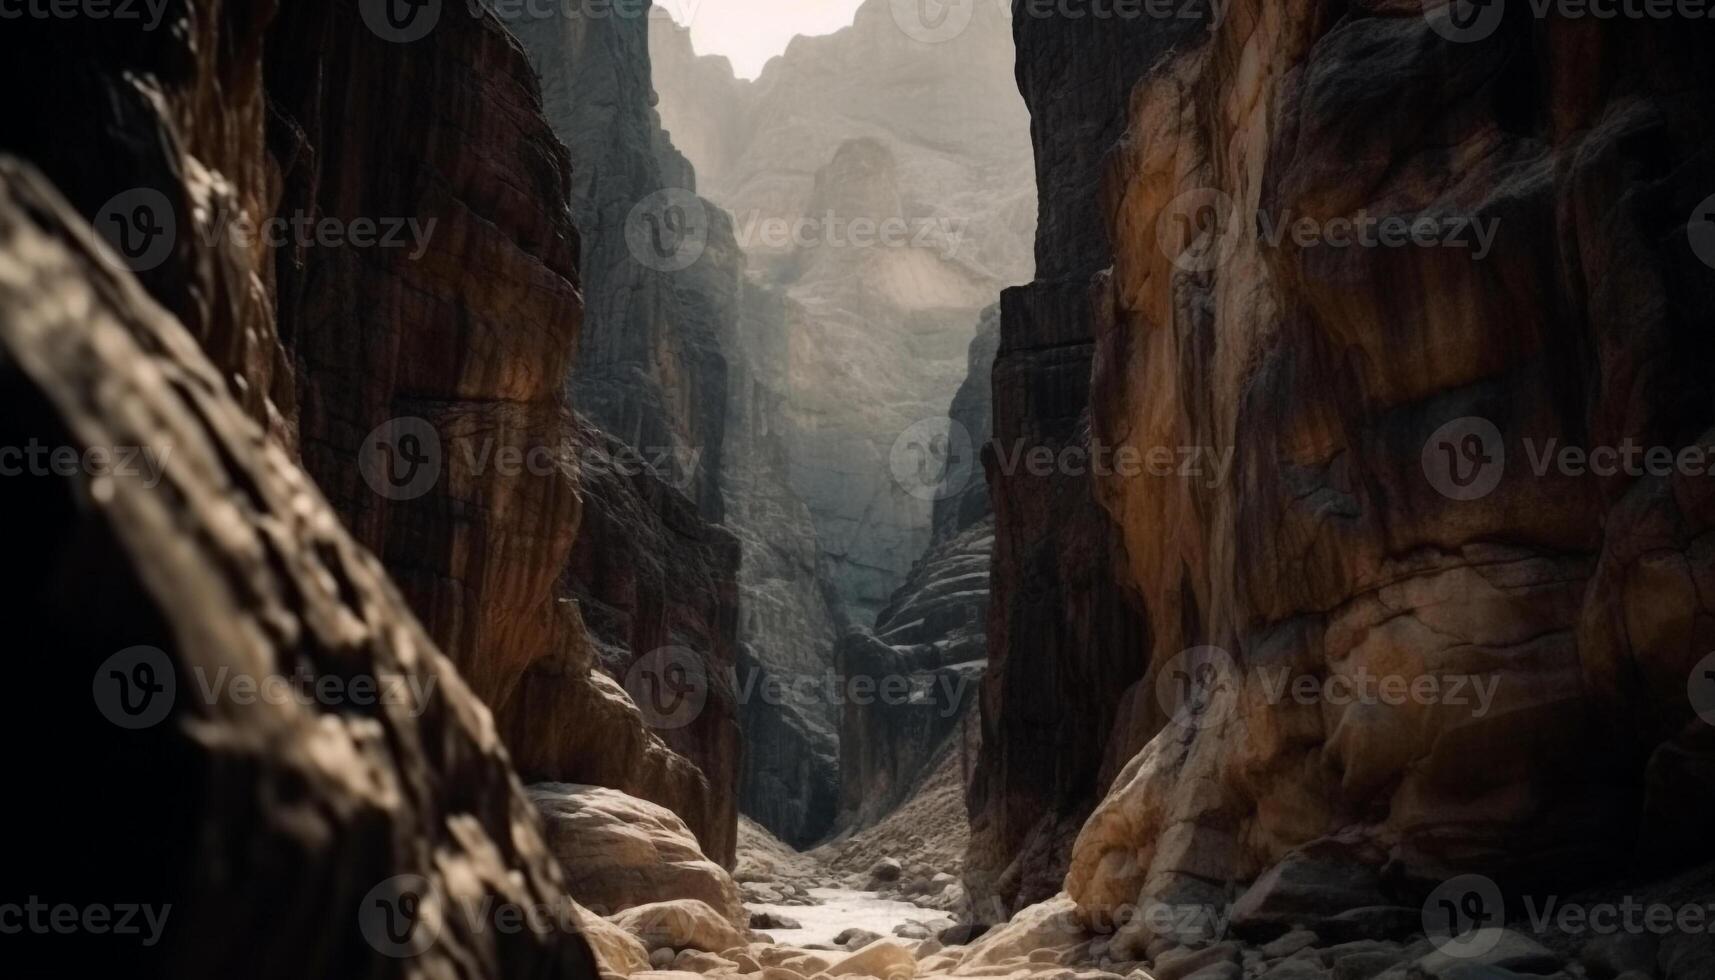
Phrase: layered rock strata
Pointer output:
(350, 834)
(1064, 638)
(1392, 509)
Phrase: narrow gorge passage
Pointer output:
(824, 489)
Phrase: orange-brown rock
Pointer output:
(1341, 545)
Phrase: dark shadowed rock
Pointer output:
(229, 564)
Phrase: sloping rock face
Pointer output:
(471, 330)
(654, 577)
(657, 586)
(619, 852)
(1064, 639)
(929, 643)
(651, 368)
(683, 358)
(841, 136)
(232, 114)
(1347, 544)
(790, 779)
(365, 828)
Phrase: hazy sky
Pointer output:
(751, 31)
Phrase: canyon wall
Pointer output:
(843, 135)
(1393, 506)
(926, 654)
(654, 576)
(228, 355)
(790, 782)
(1066, 642)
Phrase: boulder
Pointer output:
(619, 852)
(881, 959)
(680, 924)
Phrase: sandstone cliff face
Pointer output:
(232, 115)
(652, 574)
(273, 836)
(1343, 545)
(651, 368)
(472, 332)
(1064, 639)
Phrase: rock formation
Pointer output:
(790, 781)
(654, 578)
(1064, 639)
(619, 852)
(276, 836)
(864, 128)
(845, 350)
(231, 132)
(1339, 545)
(932, 634)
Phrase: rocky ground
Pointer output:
(1296, 925)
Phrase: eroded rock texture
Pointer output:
(650, 369)
(923, 662)
(233, 114)
(790, 781)
(1330, 552)
(266, 827)
(1064, 640)
(473, 332)
(652, 574)
(841, 135)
